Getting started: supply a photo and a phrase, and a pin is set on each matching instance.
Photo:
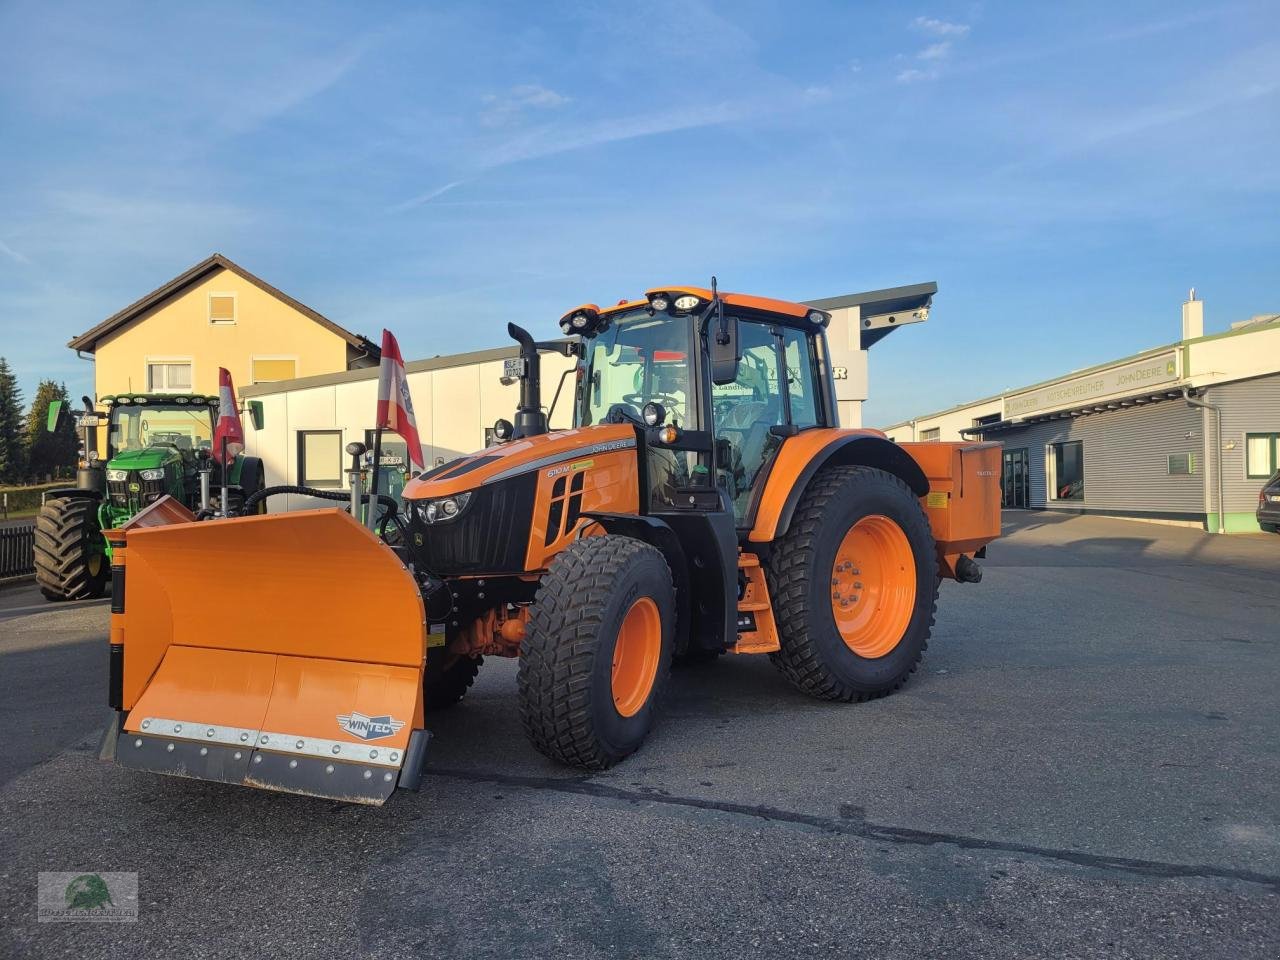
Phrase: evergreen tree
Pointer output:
(13, 452)
(50, 453)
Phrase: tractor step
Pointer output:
(757, 632)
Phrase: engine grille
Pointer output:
(490, 536)
(122, 495)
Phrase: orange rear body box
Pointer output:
(963, 502)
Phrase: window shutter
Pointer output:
(222, 309)
(269, 371)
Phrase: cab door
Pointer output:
(774, 395)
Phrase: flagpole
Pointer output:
(371, 512)
(225, 470)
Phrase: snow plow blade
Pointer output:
(277, 651)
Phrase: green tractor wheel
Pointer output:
(70, 552)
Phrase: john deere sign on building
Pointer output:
(1106, 384)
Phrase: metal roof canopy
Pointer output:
(883, 311)
(1081, 411)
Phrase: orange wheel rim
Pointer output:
(635, 657)
(873, 586)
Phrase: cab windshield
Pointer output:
(638, 359)
(137, 426)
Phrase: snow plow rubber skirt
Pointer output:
(269, 677)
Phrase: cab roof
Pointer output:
(160, 398)
(743, 300)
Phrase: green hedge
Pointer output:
(28, 498)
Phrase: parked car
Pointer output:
(1269, 504)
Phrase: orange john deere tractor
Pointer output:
(705, 501)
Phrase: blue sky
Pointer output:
(1064, 171)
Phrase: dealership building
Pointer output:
(1184, 433)
(308, 421)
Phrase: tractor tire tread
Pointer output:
(557, 655)
(446, 687)
(790, 570)
(62, 572)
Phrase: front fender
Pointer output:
(802, 456)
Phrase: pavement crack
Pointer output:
(854, 826)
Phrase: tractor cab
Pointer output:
(152, 445)
(718, 380)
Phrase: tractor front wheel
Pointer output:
(70, 552)
(597, 651)
(447, 678)
(854, 582)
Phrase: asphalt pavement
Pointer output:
(1086, 765)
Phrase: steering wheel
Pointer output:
(742, 415)
(638, 400)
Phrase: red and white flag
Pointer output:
(229, 427)
(395, 407)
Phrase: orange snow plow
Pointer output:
(231, 661)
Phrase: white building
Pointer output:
(1183, 433)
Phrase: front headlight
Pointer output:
(118, 475)
(443, 509)
(157, 474)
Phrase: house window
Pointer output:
(168, 376)
(270, 369)
(932, 435)
(1182, 464)
(222, 308)
(1067, 465)
(320, 458)
(1261, 455)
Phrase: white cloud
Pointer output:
(940, 28)
(936, 54)
(425, 197)
(551, 140)
(912, 75)
(8, 251)
(293, 82)
(502, 108)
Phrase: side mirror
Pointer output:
(255, 414)
(55, 413)
(722, 344)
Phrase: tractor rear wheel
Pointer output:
(597, 651)
(70, 552)
(854, 583)
(447, 678)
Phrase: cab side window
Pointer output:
(766, 393)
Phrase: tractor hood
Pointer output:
(516, 457)
(147, 458)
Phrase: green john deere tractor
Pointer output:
(157, 444)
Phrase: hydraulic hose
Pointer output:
(256, 498)
(390, 517)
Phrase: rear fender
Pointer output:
(72, 493)
(802, 456)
